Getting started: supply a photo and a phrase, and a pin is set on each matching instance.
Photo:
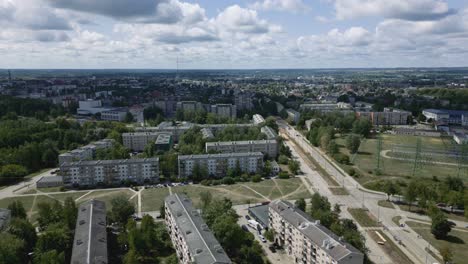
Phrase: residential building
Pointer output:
(116, 114)
(137, 141)
(87, 152)
(326, 107)
(163, 142)
(218, 164)
(225, 110)
(189, 106)
(293, 115)
(306, 240)
(451, 117)
(258, 119)
(192, 239)
(385, 118)
(5, 217)
(267, 147)
(109, 172)
(90, 241)
(460, 138)
(207, 133)
(90, 107)
(269, 132)
(417, 132)
(243, 100)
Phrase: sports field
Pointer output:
(397, 159)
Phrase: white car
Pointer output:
(262, 238)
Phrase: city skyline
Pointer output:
(155, 34)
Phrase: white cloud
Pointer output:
(294, 6)
(237, 19)
(402, 9)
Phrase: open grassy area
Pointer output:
(363, 217)
(457, 241)
(421, 211)
(385, 203)
(365, 161)
(152, 199)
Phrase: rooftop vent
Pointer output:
(179, 214)
(198, 251)
(188, 232)
(79, 242)
(82, 222)
(205, 227)
(218, 249)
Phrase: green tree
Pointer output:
(25, 231)
(362, 127)
(56, 237)
(440, 226)
(11, 249)
(70, 213)
(411, 193)
(294, 166)
(352, 143)
(129, 118)
(121, 211)
(270, 234)
(300, 204)
(390, 188)
(205, 198)
(17, 209)
(50, 257)
(447, 254)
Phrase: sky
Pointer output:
(228, 34)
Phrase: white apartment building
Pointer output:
(192, 239)
(267, 147)
(90, 107)
(218, 164)
(305, 240)
(117, 114)
(226, 110)
(137, 141)
(109, 172)
(258, 119)
(86, 152)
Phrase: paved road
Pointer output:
(414, 247)
(23, 186)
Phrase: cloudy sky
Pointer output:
(230, 34)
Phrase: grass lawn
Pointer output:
(363, 217)
(49, 189)
(26, 200)
(457, 241)
(385, 203)
(152, 199)
(418, 210)
(36, 173)
(106, 196)
(396, 220)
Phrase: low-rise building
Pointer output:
(109, 172)
(275, 168)
(258, 119)
(293, 115)
(87, 152)
(267, 147)
(51, 181)
(115, 114)
(306, 240)
(5, 217)
(137, 141)
(460, 138)
(386, 118)
(90, 241)
(192, 239)
(269, 132)
(451, 117)
(218, 164)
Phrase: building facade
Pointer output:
(90, 241)
(226, 110)
(137, 141)
(109, 172)
(192, 239)
(258, 119)
(87, 152)
(269, 132)
(306, 240)
(117, 114)
(218, 164)
(189, 106)
(385, 118)
(267, 147)
(293, 115)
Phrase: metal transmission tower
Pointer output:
(379, 162)
(417, 158)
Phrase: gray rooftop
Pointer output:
(51, 179)
(109, 162)
(90, 242)
(269, 132)
(313, 230)
(163, 139)
(202, 245)
(5, 216)
(243, 142)
(221, 155)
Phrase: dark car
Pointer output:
(272, 248)
(247, 217)
(245, 228)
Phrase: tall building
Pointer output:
(189, 106)
(306, 240)
(90, 242)
(226, 110)
(109, 172)
(218, 164)
(192, 239)
(137, 141)
(243, 100)
(267, 147)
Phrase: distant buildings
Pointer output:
(225, 110)
(90, 107)
(5, 217)
(192, 239)
(218, 164)
(90, 242)
(116, 114)
(389, 117)
(267, 147)
(137, 141)
(258, 119)
(109, 172)
(293, 115)
(451, 117)
(306, 240)
(269, 132)
(87, 152)
(189, 106)
(243, 100)
(326, 107)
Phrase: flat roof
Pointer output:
(201, 243)
(243, 142)
(446, 111)
(221, 155)
(313, 230)
(261, 213)
(51, 179)
(90, 242)
(163, 139)
(109, 162)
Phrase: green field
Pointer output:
(457, 240)
(240, 193)
(365, 161)
(363, 217)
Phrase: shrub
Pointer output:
(256, 178)
(351, 171)
(228, 180)
(341, 158)
(205, 182)
(283, 175)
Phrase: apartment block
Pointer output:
(267, 147)
(90, 241)
(86, 152)
(385, 118)
(218, 164)
(293, 115)
(258, 119)
(226, 110)
(207, 133)
(116, 114)
(192, 239)
(137, 141)
(306, 240)
(269, 132)
(109, 172)
(189, 106)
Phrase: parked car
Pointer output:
(262, 238)
(247, 217)
(272, 248)
(245, 228)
